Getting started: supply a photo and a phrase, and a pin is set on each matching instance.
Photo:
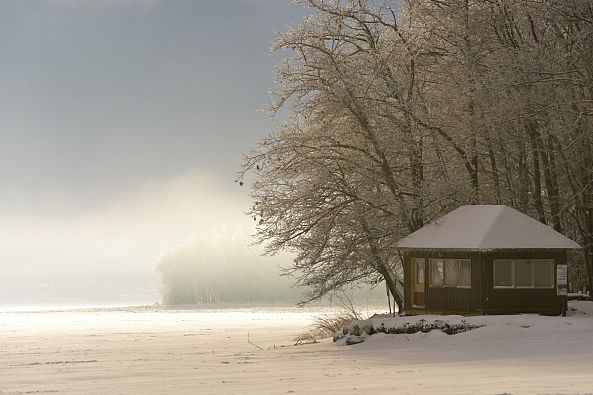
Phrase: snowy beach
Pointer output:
(179, 176)
(151, 350)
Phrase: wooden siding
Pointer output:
(446, 298)
(451, 298)
(521, 300)
(524, 300)
(482, 296)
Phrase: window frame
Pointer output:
(457, 262)
(532, 262)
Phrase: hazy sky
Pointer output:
(122, 123)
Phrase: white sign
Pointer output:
(561, 279)
(562, 274)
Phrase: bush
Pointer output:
(423, 326)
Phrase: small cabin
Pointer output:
(487, 259)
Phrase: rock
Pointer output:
(351, 339)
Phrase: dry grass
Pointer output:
(326, 325)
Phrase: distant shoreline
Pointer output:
(156, 307)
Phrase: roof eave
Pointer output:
(487, 249)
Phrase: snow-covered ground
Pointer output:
(160, 351)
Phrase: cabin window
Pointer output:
(503, 274)
(450, 273)
(523, 273)
(465, 273)
(437, 272)
(543, 274)
(420, 272)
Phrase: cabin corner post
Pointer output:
(486, 280)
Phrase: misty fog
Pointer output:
(117, 142)
(227, 269)
(77, 289)
(223, 269)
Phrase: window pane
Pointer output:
(502, 274)
(450, 273)
(436, 272)
(465, 273)
(523, 273)
(419, 272)
(543, 273)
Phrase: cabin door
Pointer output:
(418, 280)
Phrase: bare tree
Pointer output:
(397, 115)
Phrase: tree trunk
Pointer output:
(494, 168)
(383, 267)
(531, 129)
(551, 177)
(523, 185)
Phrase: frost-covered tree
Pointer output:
(400, 112)
(202, 272)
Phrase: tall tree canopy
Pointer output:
(401, 111)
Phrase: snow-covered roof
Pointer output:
(486, 227)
